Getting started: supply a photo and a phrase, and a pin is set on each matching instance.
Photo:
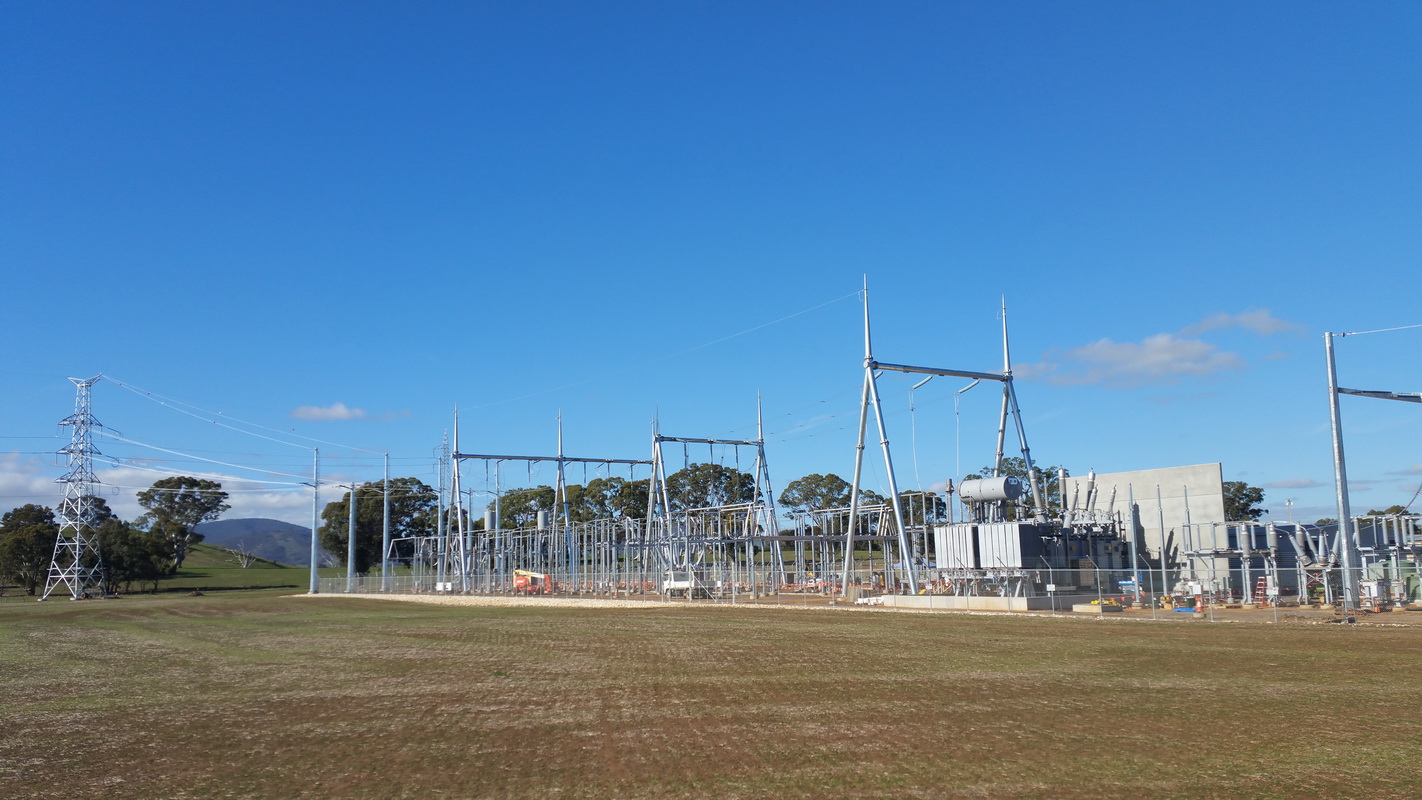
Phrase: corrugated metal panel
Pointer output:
(955, 546)
(1010, 545)
(998, 545)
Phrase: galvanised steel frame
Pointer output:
(1349, 549)
(77, 563)
(683, 539)
(870, 395)
(484, 560)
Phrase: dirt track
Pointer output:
(506, 600)
(1249, 615)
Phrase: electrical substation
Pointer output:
(1155, 538)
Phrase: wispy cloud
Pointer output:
(29, 479)
(335, 411)
(1160, 359)
(33, 480)
(1415, 469)
(1258, 320)
(1295, 483)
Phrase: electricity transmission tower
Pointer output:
(76, 561)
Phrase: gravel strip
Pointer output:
(499, 600)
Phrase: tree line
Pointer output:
(142, 552)
(154, 545)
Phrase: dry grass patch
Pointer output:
(262, 695)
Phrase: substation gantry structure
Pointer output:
(870, 396)
(1348, 530)
(495, 540)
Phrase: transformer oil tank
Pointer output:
(988, 490)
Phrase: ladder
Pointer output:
(1261, 592)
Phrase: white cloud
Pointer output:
(1415, 469)
(1160, 359)
(1295, 483)
(1258, 320)
(335, 411)
(29, 479)
(33, 480)
(248, 498)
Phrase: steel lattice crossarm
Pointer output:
(537, 459)
(953, 373)
(691, 440)
(1406, 397)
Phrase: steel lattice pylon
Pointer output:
(76, 562)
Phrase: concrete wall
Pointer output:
(1202, 484)
(958, 602)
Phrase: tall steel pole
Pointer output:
(1009, 403)
(501, 572)
(560, 507)
(385, 534)
(858, 452)
(441, 554)
(351, 542)
(315, 517)
(1135, 555)
(1340, 483)
(905, 555)
(1006, 397)
(459, 512)
(872, 387)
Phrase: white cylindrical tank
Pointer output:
(543, 520)
(489, 522)
(988, 490)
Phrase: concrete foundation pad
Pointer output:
(951, 602)
(1093, 608)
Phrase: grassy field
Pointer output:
(258, 694)
(211, 568)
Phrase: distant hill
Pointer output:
(204, 555)
(271, 539)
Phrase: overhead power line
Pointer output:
(168, 402)
(119, 463)
(1382, 330)
(199, 458)
(668, 356)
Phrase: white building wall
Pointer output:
(1193, 493)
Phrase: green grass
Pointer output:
(203, 555)
(209, 568)
(257, 694)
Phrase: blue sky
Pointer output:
(375, 212)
